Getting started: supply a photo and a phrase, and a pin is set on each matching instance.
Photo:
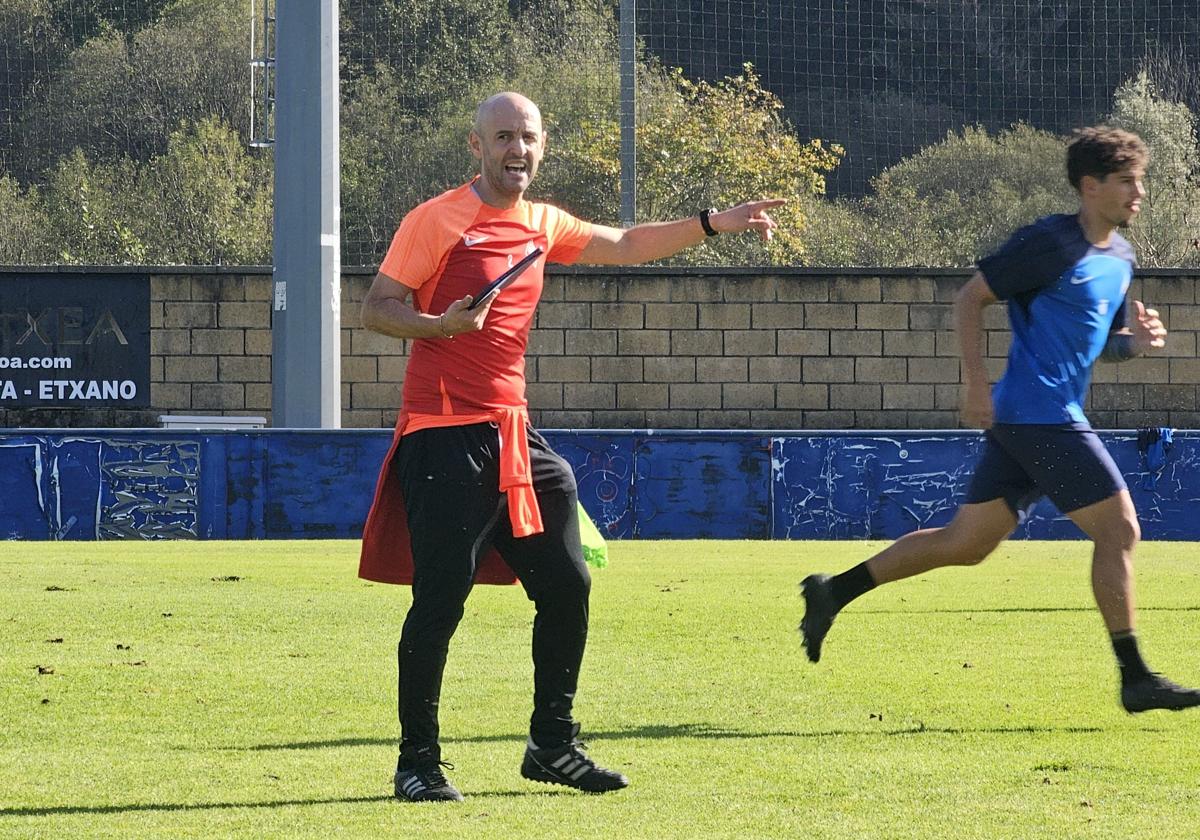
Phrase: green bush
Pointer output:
(205, 200)
(121, 94)
(24, 227)
(1167, 231)
(955, 201)
(85, 208)
(698, 144)
(949, 203)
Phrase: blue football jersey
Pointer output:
(1064, 296)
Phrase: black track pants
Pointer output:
(455, 511)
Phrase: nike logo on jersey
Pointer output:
(1076, 281)
(470, 241)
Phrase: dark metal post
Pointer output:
(628, 62)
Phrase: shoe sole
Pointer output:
(573, 787)
(809, 588)
(402, 798)
(1139, 710)
(552, 780)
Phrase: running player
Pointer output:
(1064, 279)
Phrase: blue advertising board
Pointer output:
(301, 484)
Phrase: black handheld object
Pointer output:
(505, 278)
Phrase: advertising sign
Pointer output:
(74, 340)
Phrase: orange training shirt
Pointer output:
(452, 246)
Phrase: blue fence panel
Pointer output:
(157, 484)
(150, 488)
(604, 470)
(81, 493)
(25, 490)
(877, 486)
(706, 486)
(1167, 498)
(243, 489)
(320, 484)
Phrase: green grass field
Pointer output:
(247, 689)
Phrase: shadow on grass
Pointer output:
(167, 807)
(697, 730)
(651, 732)
(58, 810)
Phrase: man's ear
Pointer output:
(545, 140)
(473, 142)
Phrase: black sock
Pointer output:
(412, 757)
(850, 584)
(1129, 661)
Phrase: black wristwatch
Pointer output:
(709, 230)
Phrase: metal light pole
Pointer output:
(306, 319)
(628, 63)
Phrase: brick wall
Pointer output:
(663, 348)
(806, 349)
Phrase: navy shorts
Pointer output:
(1065, 462)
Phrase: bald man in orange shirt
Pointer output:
(470, 492)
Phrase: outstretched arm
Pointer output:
(655, 240)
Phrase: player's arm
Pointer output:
(387, 309)
(1147, 332)
(975, 296)
(656, 240)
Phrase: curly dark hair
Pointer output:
(1101, 150)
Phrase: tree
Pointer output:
(24, 227)
(698, 144)
(1167, 231)
(400, 147)
(81, 19)
(378, 136)
(1174, 68)
(206, 200)
(949, 203)
(84, 209)
(440, 48)
(30, 45)
(723, 143)
(958, 199)
(122, 93)
(203, 201)
(955, 201)
(392, 159)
